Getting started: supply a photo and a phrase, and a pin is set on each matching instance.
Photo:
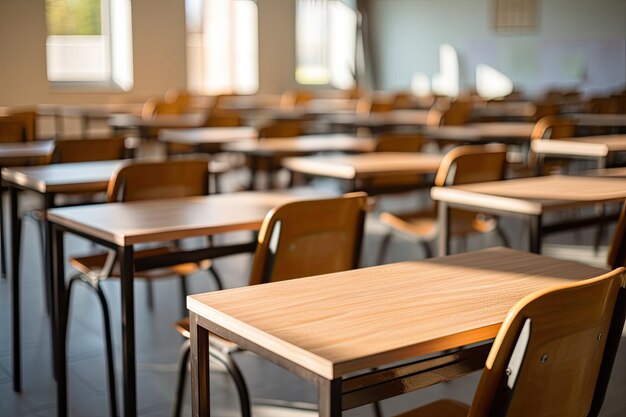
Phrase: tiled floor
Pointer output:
(158, 343)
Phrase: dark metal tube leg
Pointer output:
(60, 328)
(444, 229)
(216, 277)
(199, 368)
(15, 290)
(128, 330)
(534, 233)
(242, 389)
(329, 393)
(108, 339)
(384, 245)
(183, 362)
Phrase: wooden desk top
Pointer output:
(503, 131)
(207, 135)
(339, 323)
(390, 118)
(190, 120)
(581, 146)
(63, 178)
(303, 145)
(607, 120)
(365, 165)
(25, 153)
(534, 195)
(159, 220)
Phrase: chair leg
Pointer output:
(47, 285)
(184, 291)
(226, 360)
(377, 410)
(502, 236)
(109, 349)
(150, 294)
(384, 246)
(183, 360)
(428, 252)
(216, 277)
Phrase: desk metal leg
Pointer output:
(126, 257)
(3, 246)
(329, 393)
(15, 289)
(444, 228)
(534, 233)
(48, 203)
(200, 392)
(60, 292)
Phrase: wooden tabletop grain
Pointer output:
(591, 146)
(534, 195)
(344, 322)
(503, 131)
(365, 165)
(303, 145)
(159, 220)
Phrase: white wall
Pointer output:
(571, 35)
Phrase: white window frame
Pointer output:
(116, 40)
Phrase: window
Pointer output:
(89, 43)
(326, 34)
(222, 46)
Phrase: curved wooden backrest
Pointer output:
(549, 355)
(308, 238)
(617, 251)
(472, 163)
(604, 105)
(554, 127)
(370, 104)
(87, 150)
(291, 99)
(223, 119)
(281, 129)
(457, 114)
(179, 97)
(18, 126)
(156, 180)
(399, 142)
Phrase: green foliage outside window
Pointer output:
(73, 17)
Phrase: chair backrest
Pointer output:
(554, 352)
(87, 150)
(399, 142)
(18, 126)
(157, 180)
(281, 129)
(457, 114)
(617, 251)
(472, 163)
(310, 237)
(554, 127)
(223, 119)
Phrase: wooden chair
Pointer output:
(141, 181)
(18, 127)
(395, 142)
(617, 250)
(552, 356)
(461, 165)
(288, 248)
(88, 150)
(550, 127)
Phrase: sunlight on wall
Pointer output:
(491, 83)
(446, 82)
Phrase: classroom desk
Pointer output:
(588, 147)
(119, 226)
(370, 165)
(529, 198)
(207, 139)
(48, 181)
(270, 149)
(603, 120)
(18, 154)
(119, 122)
(92, 112)
(504, 132)
(504, 111)
(378, 122)
(326, 327)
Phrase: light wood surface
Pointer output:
(63, 178)
(160, 220)
(534, 195)
(125, 121)
(25, 153)
(591, 146)
(607, 120)
(207, 135)
(332, 324)
(366, 165)
(504, 131)
(303, 145)
(379, 119)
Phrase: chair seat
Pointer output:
(182, 327)
(441, 408)
(424, 223)
(93, 264)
